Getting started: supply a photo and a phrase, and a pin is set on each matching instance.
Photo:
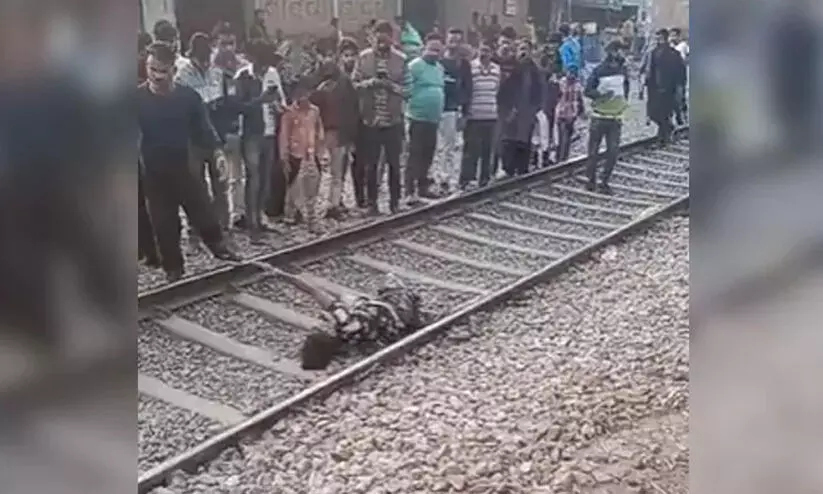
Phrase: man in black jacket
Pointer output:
(665, 75)
(170, 117)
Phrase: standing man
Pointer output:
(146, 245)
(506, 59)
(336, 99)
(521, 95)
(458, 79)
(165, 32)
(170, 117)
(570, 50)
(608, 88)
(666, 73)
(479, 136)
(261, 95)
(379, 81)
(425, 87)
(200, 75)
(257, 31)
(682, 46)
(351, 132)
(226, 117)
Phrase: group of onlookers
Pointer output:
(235, 144)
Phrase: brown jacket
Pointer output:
(339, 108)
(366, 70)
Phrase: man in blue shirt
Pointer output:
(570, 50)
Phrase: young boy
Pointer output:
(302, 150)
(570, 106)
(394, 313)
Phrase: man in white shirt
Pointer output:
(679, 44)
(682, 47)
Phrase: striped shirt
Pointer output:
(485, 85)
(207, 83)
(382, 115)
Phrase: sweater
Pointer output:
(425, 91)
(485, 85)
(458, 88)
(609, 76)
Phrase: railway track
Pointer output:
(218, 354)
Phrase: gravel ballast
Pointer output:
(200, 261)
(436, 267)
(165, 431)
(613, 218)
(246, 326)
(426, 236)
(517, 408)
(205, 373)
(549, 225)
(516, 237)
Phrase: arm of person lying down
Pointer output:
(326, 300)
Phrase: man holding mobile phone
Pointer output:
(261, 96)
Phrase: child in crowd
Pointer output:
(570, 106)
(302, 152)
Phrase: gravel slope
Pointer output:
(517, 408)
(198, 260)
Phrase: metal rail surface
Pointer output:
(464, 255)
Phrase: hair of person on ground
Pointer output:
(347, 43)
(144, 40)
(162, 52)
(164, 31)
(319, 349)
(384, 27)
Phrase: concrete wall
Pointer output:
(458, 13)
(300, 17)
(670, 13)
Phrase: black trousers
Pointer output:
(358, 168)
(478, 146)
(169, 185)
(276, 203)
(146, 246)
(516, 157)
(390, 141)
(600, 129)
(422, 146)
(565, 131)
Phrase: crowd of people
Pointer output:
(238, 140)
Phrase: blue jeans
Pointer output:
(258, 157)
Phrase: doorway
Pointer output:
(202, 15)
(422, 14)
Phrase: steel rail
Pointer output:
(190, 460)
(214, 282)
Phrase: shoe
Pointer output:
(605, 189)
(591, 186)
(394, 208)
(257, 237)
(224, 254)
(413, 200)
(334, 213)
(427, 194)
(152, 261)
(373, 211)
(174, 275)
(240, 223)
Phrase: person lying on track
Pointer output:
(393, 314)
